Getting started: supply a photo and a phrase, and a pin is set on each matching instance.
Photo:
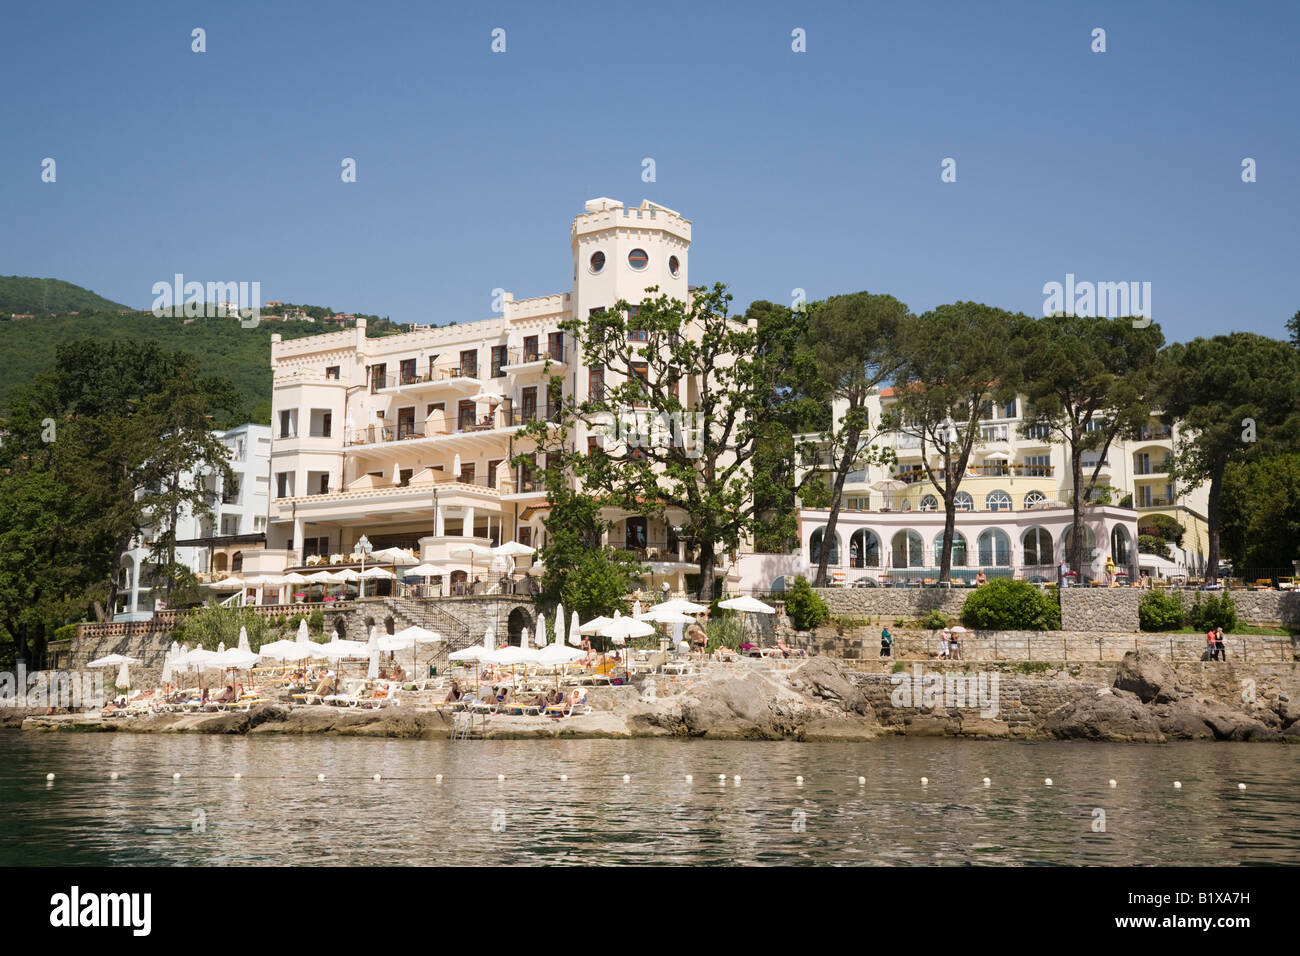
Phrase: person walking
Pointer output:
(1211, 644)
(886, 642)
(1220, 645)
(943, 644)
(954, 646)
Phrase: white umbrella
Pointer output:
(888, 485)
(539, 638)
(559, 624)
(621, 628)
(513, 549)
(226, 584)
(347, 574)
(372, 671)
(657, 615)
(750, 605)
(682, 605)
(243, 639)
(424, 571)
(233, 659)
(594, 626)
(378, 573)
(123, 681)
(293, 577)
(394, 556)
(337, 650)
(636, 608)
(283, 651)
(113, 660)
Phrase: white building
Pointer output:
(210, 544)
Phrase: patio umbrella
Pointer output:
(471, 552)
(243, 639)
(539, 639)
(398, 557)
(888, 485)
(575, 639)
(281, 651)
(682, 605)
(558, 636)
(113, 660)
(747, 605)
(225, 584)
(294, 578)
(123, 681)
(346, 575)
(372, 648)
(621, 628)
(513, 549)
(322, 578)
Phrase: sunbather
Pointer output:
(454, 694)
(325, 687)
(228, 695)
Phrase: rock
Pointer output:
(983, 727)
(735, 709)
(1103, 716)
(1149, 677)
(930, 725)
(1223, 722)
(824, 678)
(223, 723)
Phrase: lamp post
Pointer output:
(365, 547)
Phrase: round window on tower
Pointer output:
(597, 262)
(674, 266)
(638, 259)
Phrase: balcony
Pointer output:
(1146, 469)
(449, 425)
(1159, 433)
(993, 434)
(525, 359)
(992, 470)
(460, 374)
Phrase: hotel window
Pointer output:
(407, 371)
(674, 267)
(284, 484)
(259, 523)
(1038, 466)
(591, 312)
(962, 501)
(1034, 498)
(323, 483)
(635, 534)
(635, 335)
(597, 262)
(467, 471)
(332, 371)
(469, 363)
(555, 346)
(289, 423)
(638, 259)
(929, 503)
(465, 412)
(1009, 409)
(593, 445)
(498, 360)
(528, 406)
(530, 348)
(997, 501)
(596, 383)
(378, 376)
(492, 467)
(641, 371)
(322, 420)
(1039, 432)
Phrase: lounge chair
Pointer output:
(570, 709)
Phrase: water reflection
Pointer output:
(278, 813)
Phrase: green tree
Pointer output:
(1261, 512)
(1236, 398)
(1089, 384)
(699, 378)
(851, 341)
(955, 360)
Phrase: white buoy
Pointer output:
(564, 776)
(1241, 786)
(861, 781)
(1178, 785)
(176, 776)
(49, 776)
(113, 775)
(722, 777)
(1114, 784)
(689, 778)
(987, 781)
(501, 778)
(320, 776)
(438, 778)
(626, 778)
(799, 781)
(239, 776)
(1047, 782)
(736, 779)
(925, 781)
(376, 778)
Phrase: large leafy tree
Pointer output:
(693, 381)
(1261, 513)
(109, 420)
(953, 361)
(1236, 398)
(851, 340)
(1089, 383)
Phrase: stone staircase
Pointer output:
(410, 612)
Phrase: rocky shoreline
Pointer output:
(822, 700)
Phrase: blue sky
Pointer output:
(817, 170)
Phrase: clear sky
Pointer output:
(818, 170)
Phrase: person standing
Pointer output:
(1062, 574)
(1211, 644)
(1219, 645)
(943, 644)
(886, 642)
(954, 646)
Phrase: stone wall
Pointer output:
(893, 603)
(1259, 607)
(855, 645)
(1100, 609)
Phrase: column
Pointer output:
(439, 525)
(468, 527)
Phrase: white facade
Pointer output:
(407, 439)
(239, 512)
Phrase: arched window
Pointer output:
(994, 549)
(908, 551)
(1038, 547)
(237, 562)
(1034, 498)
(958, 549)
(1119, 545)
(906, 505)
(929, 503)
(1089, 544)
(864, 549)
(815, 548)
(997, 501)
(963, 502)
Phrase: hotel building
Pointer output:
(409, 439)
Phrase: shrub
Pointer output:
(935, 620)
(316, 622)
(65, 633)
(724, 632)
(1213, 611)
(1160, 612)
(1005, 604)
(805, 607)
(1150, 544)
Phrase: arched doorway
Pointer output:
(219, 562)
(515, 624)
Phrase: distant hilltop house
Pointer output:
(22, 315)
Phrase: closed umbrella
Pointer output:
(123, 681)
(372, 670)
(559, 624)
(243, 639)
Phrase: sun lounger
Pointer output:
(571, 709)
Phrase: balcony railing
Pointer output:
(1152, 468)
(441, 373)
(993, 470)
(1156, 434)
(522, 356)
